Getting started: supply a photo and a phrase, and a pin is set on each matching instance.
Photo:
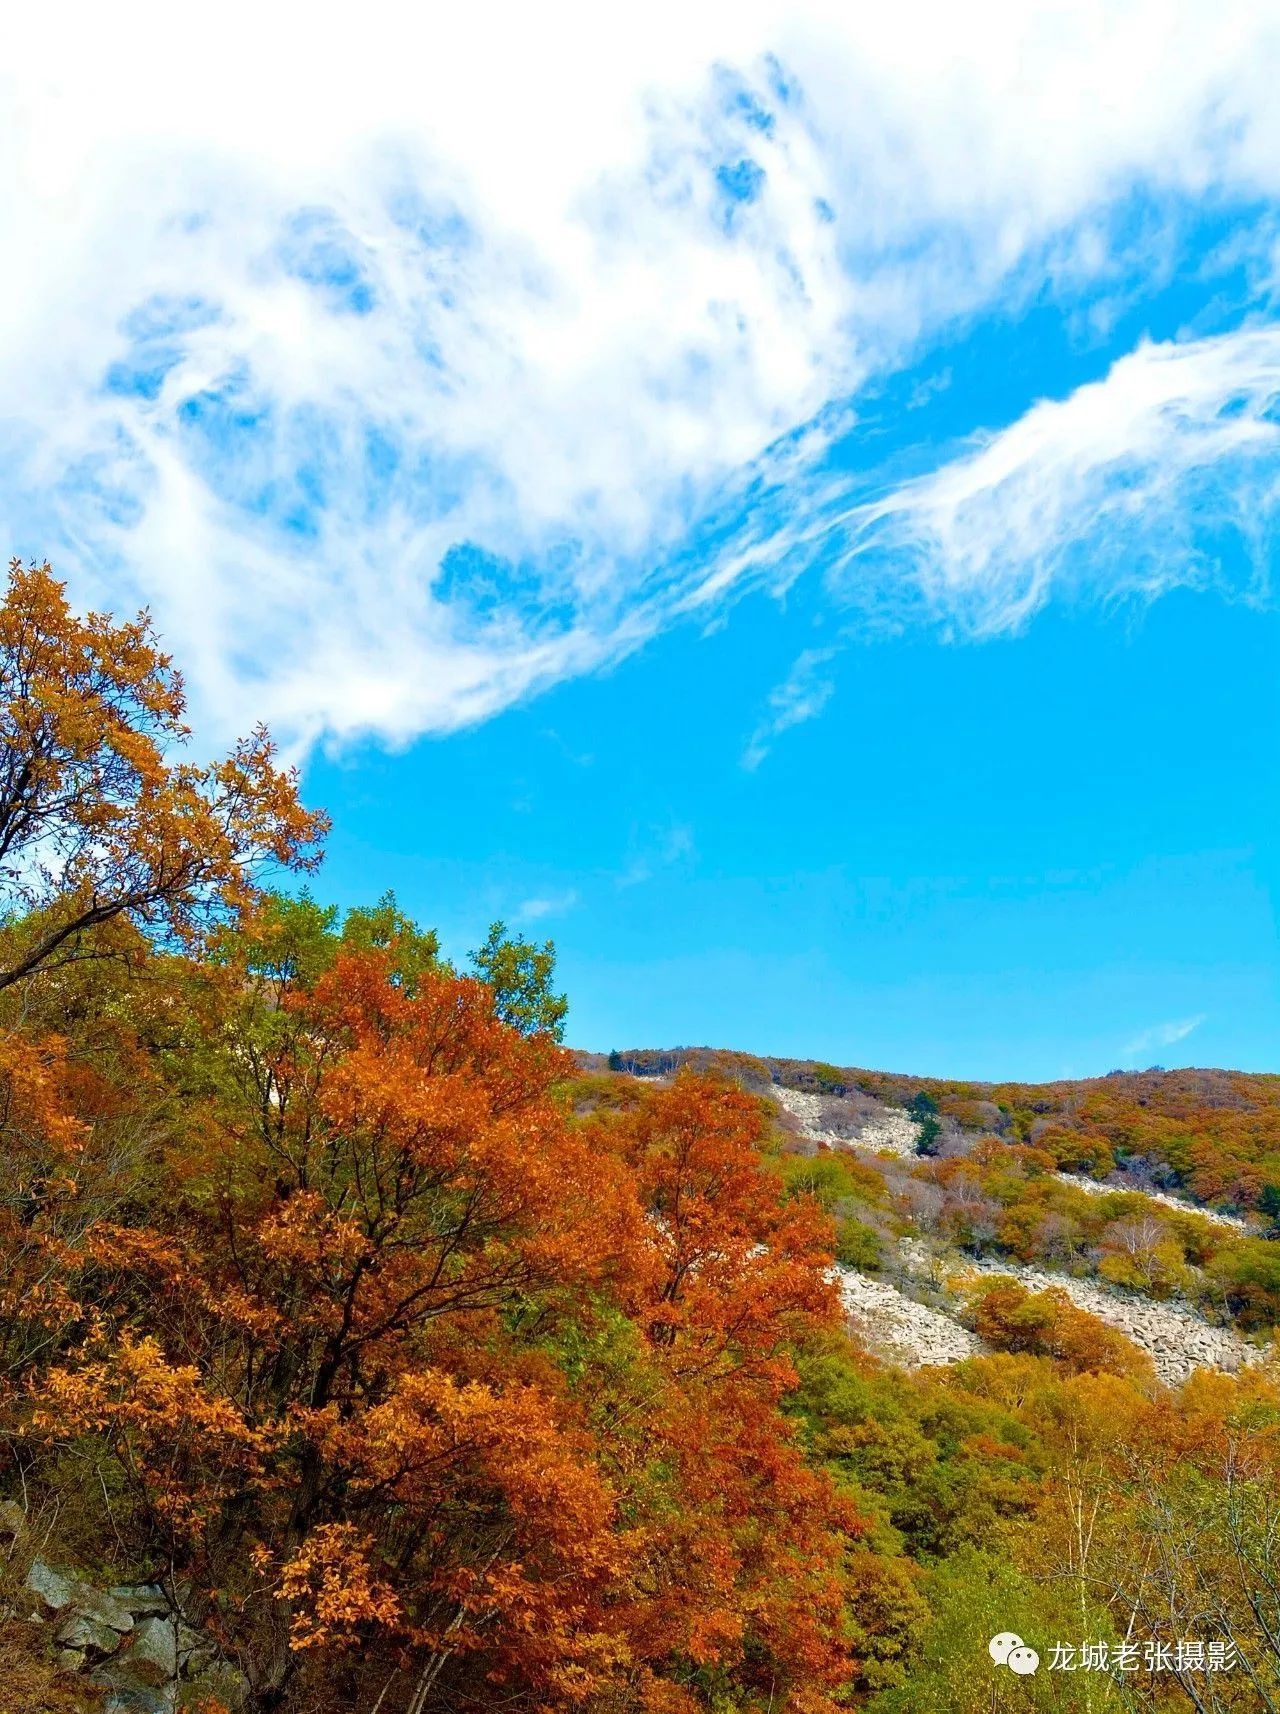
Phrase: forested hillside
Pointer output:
(1214, 1133)
(361, 1348)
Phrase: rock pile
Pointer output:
(888, 1131)
(899, 1328)
(1180, 1204)
(1174, 1336)
(1177, 1340)
(129, 1641)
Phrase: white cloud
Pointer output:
(1129, 486)
(801, 696)
(395, 280)
(1162, 1035)
(1108, 487)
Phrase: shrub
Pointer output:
(1249, 1273)
(858, 1246)
(830, 1080)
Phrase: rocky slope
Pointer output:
(904, 1330)
(1176, 1339)
(886, 1320)
(910, 1313)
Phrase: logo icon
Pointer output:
(1007, 1648)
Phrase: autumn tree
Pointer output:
(1142, 1252)
(728, 1278)
(1011, 1318)
(301, 1382)
(417, 1365)
(1163, 1509)
(99, 822)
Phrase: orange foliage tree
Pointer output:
(343, 1385)
(367, 1341)
(97, 820)
(1046, 1323)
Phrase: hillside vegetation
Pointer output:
(1162, 1183)
(410, 1363)
(1214, 1133)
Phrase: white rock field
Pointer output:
(1091, 1187)
(893, 1324)
(891, 1132)
(1175, 1337)
(1177, 1340)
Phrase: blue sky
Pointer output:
(1034, 857)
(783, 503)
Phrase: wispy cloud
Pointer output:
(404, 382)
(554, 905)
(1116, 490)
(1129, 487)
(1162, 1035)
(657, 849)
(802, 695)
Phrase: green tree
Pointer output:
(830, 1080)
(520, 974)
(923, 1110)
(292, 941)
(1248, 1273)
(973, 1596)
(414, 951)
(858, 1245)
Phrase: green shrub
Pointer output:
(858, 1246)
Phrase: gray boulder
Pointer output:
(86, 1634)
(102, 1607)
(152, 1657)
(53, 1588)
(143, 1600)
(127, 1697)
(196, 1650)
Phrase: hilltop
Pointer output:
(1214, 1134)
